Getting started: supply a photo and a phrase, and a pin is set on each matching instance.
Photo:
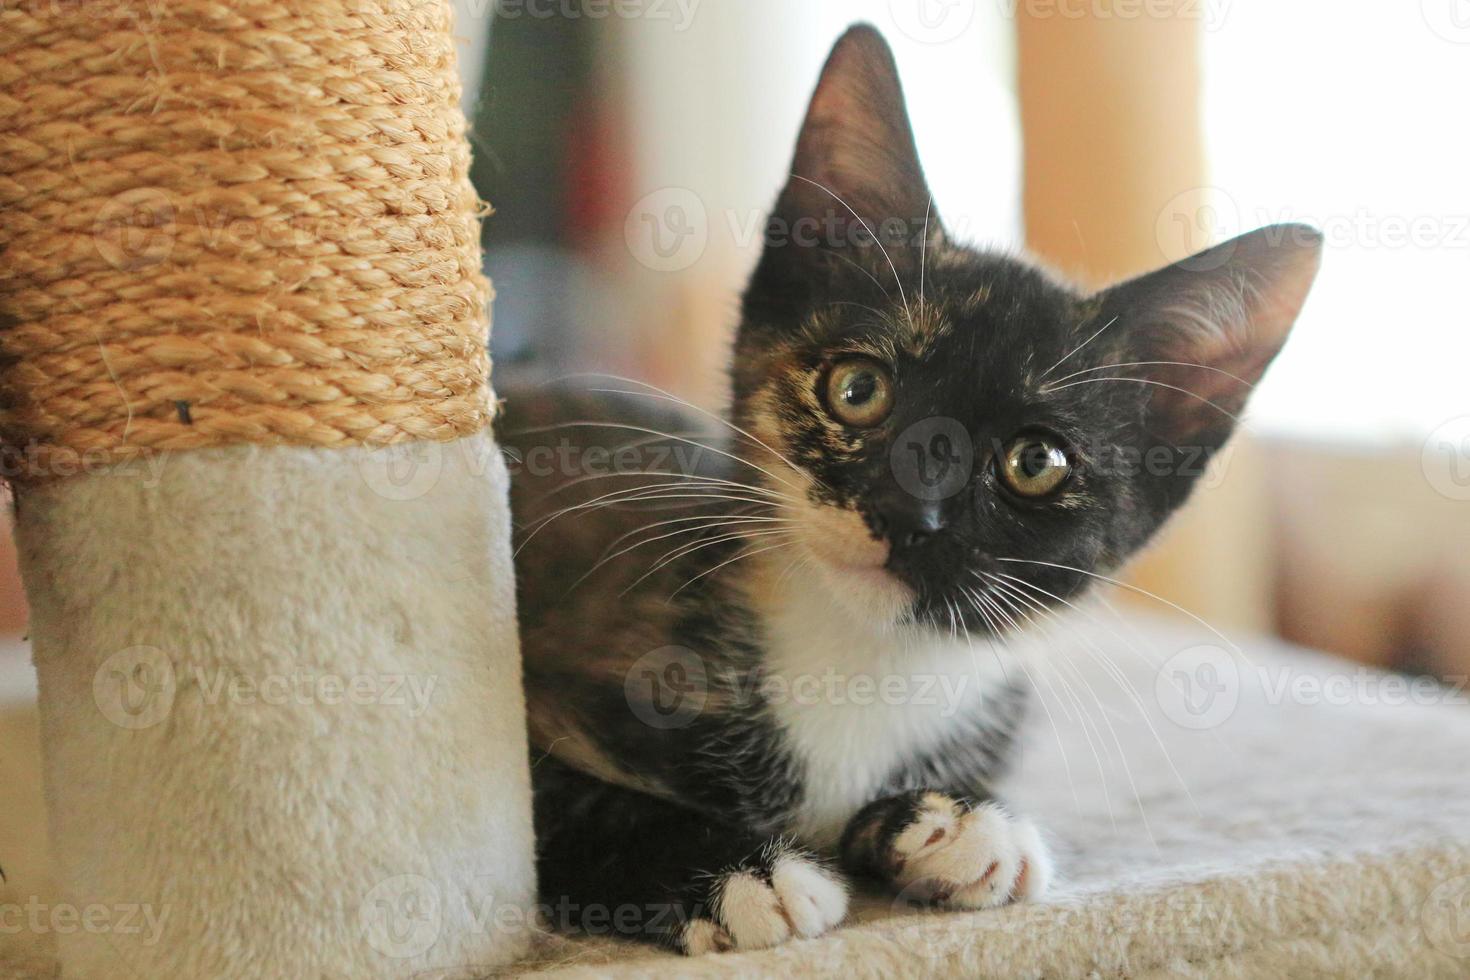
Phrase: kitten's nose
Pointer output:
(907, 522)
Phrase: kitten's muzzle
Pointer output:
(908, 524)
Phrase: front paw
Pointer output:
(781, 892)
(935, 848)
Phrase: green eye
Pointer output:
(859, 392)
(1035, 465)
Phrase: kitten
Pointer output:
(728, 644)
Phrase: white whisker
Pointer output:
(743, 554)
(1041, 699)
(654, 432)
(1117, 744)
(872, 278)
(633, 495)
(1114, 672)
(665, 396)
(691, 478)
(876, 240)
(1146, 381)
(924, 247)
(1144, 592)
(710, 523)
(1074, 350)
(1125, 364)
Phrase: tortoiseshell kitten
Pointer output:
(926, 443)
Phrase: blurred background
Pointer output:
(631, 156)
(631, 147)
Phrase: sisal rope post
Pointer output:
(257, 210)
(244, 398)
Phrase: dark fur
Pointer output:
(636, 815)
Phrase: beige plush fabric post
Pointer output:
(263, 526)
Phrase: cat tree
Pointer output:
(263, 526)
(243, 404)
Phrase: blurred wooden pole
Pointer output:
(1114, 172)
(1112, 133)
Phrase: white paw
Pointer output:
(802, 899)
(970, 858)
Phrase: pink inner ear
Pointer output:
(858, 99)
(1223, 324)
(856, 143)
(1209, 396)
(856, 112)
(1215, 372)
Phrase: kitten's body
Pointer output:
(789, 734)
(687, 730)
(753, 642)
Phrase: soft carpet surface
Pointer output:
(1215, 812)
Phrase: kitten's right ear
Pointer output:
(856, 148)
(855, 177)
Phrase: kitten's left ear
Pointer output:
(856, 147)
(1202, 332)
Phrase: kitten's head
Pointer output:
(957, 419)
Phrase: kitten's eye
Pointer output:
(859, 392)
(1035, 465)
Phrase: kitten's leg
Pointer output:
(933, 846)
(615, 861)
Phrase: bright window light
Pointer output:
(1351, 117)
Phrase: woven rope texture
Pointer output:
(233, 222)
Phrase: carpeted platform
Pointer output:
(1276, 813)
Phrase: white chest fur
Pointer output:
(857, 699)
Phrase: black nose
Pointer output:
(908, 523)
